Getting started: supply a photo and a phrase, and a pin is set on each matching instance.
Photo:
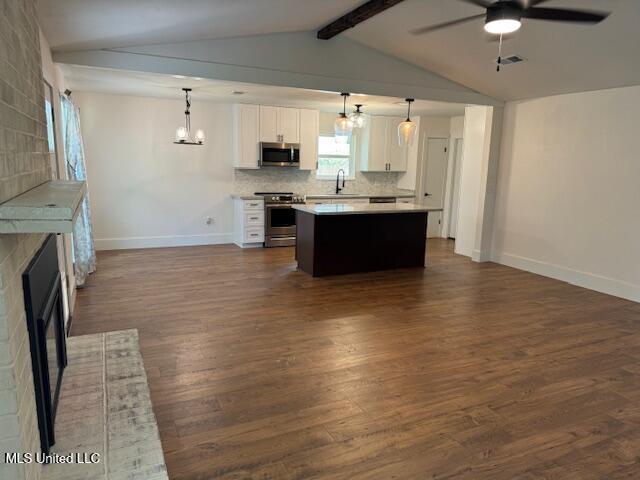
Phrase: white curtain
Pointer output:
(84, 254)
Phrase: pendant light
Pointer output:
(183, 134)
(407, 129)
(358, 118)
(343, 125)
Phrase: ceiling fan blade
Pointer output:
(439, 26)
(565, 15)
(480, 3)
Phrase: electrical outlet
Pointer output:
(208, 221)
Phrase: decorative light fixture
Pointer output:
(183, 134)
(358, 118)
(343, 125)
(407, 129)
(503, 19)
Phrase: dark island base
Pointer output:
(339, 244)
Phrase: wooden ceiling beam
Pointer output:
(356, 16)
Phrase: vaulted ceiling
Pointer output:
(559, 58)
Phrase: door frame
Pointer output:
(452, 170)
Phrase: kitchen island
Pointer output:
(338, 238)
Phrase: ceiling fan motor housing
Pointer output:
(506, 10)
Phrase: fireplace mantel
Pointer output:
(51, 207)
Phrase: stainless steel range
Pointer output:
(280, 218)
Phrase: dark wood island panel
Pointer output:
(339, 244)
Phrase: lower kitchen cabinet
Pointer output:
(248, 222)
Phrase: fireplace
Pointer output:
(45, 320)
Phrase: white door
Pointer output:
(309, 133)
(289, 124)
(269, 124)
(434, 175)
(455, 194)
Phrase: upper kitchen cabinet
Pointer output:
(380, 150)
(396, 155)
(246, 136)
(309, 132)
(279, 124)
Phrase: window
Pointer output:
(334, 155)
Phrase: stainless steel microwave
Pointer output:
(279, 154)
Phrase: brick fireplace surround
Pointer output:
(24, 164)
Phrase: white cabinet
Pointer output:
(246, 138)
(289, 124)
(248, 222)
(396, 155)
(279, 124)
(309, 133)
(380, 150)
(269, 124)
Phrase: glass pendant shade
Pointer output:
(406, 133)
(200, 136)
(181, 134)
(407, 129)
(358, 118)
(343, 126)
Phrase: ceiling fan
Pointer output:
(505, 16)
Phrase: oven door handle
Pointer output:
(287, 205)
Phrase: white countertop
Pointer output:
(249, 196)
(361, 195)
(365, 208)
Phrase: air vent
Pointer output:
(511, 59)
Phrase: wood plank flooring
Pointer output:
(461, 370)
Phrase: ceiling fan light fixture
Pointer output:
(503, 18)
(502, 26)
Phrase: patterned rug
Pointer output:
(105, 409)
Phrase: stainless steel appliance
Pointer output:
(279, 154)
(280, 218)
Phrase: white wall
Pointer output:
(146, 191)
(569, 190)
(470, 174)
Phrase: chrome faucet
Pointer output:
(338, 181)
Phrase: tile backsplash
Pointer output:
(305, 182)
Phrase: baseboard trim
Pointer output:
(607, 285)
(163, 241)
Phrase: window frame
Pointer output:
(351, 157)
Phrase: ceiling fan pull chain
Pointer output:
(499, 54)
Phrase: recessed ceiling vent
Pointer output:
(511, 59)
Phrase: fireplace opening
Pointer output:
(45, 321)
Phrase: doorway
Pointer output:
(433, 182)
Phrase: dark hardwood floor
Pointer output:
(461, 370)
